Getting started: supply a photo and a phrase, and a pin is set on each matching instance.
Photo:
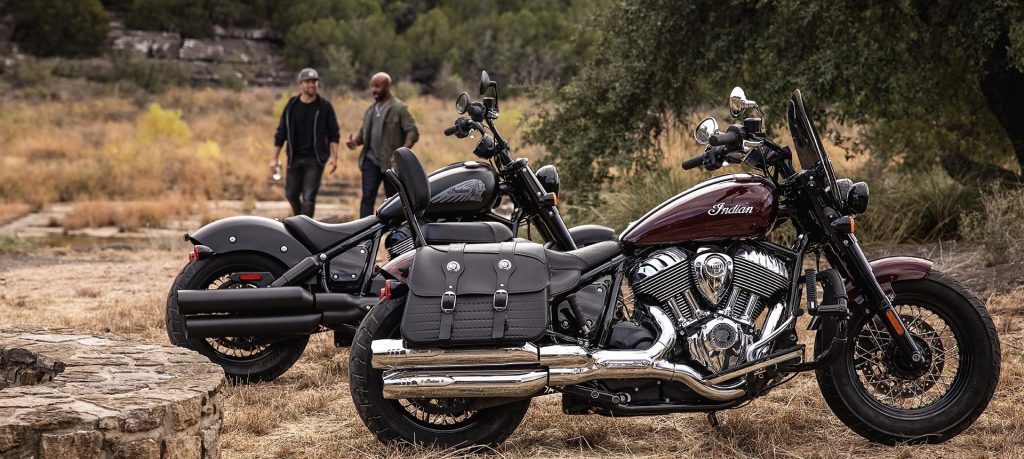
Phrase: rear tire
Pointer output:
(274, 357)
(391, 422)
(883, 401)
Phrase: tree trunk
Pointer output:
(1003, 87)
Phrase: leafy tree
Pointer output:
(935, 82)
(60, 27)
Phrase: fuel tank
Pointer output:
(456, 189)
(726, 207)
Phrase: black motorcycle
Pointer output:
(701, 316)
(321, 276)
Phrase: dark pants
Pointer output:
(302, 185)
(372, 176)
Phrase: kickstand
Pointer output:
(713, 419)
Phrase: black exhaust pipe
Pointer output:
(245, 300)
(212, 326)
(268, 311)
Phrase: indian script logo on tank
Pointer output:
(470, 190)
(721, 209)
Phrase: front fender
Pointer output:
(251, 234)
(886, 271)
(891, 269)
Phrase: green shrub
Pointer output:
(923, 206)
(15, 245)
(30, 72)
(996, 226)
(60, 27)
(149, 74)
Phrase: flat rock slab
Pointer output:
(67, 394)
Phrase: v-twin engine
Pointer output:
(716, 299)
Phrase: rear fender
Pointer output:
(251, 234)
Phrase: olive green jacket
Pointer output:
(399, 127)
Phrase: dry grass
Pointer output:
(308, 412)
(127, 215)
(10, 211)
(207, 143)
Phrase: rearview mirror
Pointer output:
(738, 102)
(461, 103)
(707, 128)
(485, 82)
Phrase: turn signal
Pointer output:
(844, 224)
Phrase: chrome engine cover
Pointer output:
(720, 344)
(713, 271)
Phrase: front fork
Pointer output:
(878, 301)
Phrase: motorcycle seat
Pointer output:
(583, 259)
(317, 236)
(566, 268)
(468, 232)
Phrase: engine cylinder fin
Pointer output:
(666, 283)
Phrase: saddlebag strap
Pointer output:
(504, 267)
(452, 270)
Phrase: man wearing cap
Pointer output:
(310, 127)
(387, 126)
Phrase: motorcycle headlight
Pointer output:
(857, 200)
(548, 177)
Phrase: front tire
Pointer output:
(245, 359)
(401, 420)
(885, 401)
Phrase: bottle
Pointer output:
(277, 173)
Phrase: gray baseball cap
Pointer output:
(308, 74)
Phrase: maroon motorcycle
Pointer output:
(700, 313)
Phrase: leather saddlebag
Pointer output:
(463, 294)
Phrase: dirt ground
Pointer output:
(121, 288)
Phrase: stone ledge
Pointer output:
(115, 397)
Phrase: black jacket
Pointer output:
(325, 129)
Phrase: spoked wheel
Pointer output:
(880, 394)
(447, 423)
(244, 358)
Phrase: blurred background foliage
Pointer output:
(525, 42)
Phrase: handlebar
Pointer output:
(729, 137)
(693, 162)
(462, 127)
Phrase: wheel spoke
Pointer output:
(874, 364)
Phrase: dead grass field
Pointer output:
(308, 412)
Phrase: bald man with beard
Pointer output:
(387, 126)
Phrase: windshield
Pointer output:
(809, 150)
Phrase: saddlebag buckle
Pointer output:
(448, 302)
(500, 300)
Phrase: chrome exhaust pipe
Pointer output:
(413, 373)
(391, 353)
(463, 383)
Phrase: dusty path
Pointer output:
(308, 412)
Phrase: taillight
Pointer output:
(385, 293)
(199, 252)
(250, 277)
